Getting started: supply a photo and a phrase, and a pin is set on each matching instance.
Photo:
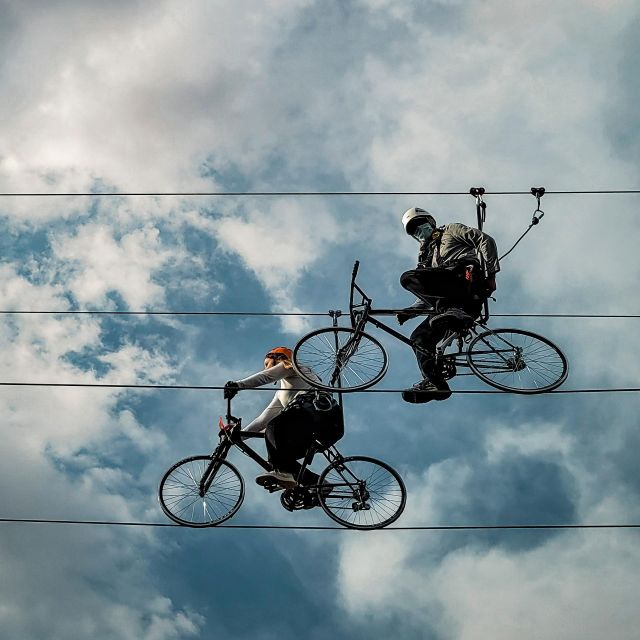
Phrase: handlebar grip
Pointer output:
(355, 269)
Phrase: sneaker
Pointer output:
(451, 319)
(427, 390)
(281, 478)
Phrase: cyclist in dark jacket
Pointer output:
(456, 271)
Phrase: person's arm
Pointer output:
(271, 411)
(268, 376)
(483, 243)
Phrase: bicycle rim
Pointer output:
(179, 492)
(517, 361)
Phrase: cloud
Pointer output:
(469, 585)
(104, 264)
(130, 99)
(279, 243)
(289, 95)
(579, 583)
(60, 461)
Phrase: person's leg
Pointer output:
(308, 477)
(454, 306)
(433, 386)
(433, 283)
(286, 444)
(424, 340)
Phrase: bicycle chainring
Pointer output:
(297, 498)
(448, 368)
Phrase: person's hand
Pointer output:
(231, 388)
(491, 284)
(402, 318)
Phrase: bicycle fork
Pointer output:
(219, 454)
(344, 353)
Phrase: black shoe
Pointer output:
(426, 391)
(452, 318)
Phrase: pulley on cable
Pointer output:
(481, 205)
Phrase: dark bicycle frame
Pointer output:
(231, 435)
(362, 313)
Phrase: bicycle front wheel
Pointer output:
(343, 359)
(180, 492)
(517, 361)
(362, 493)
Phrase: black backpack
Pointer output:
(318, 409)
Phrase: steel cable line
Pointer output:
(162, 313)
(323, 528)
(301, 193)
(337, 390)
(283, 313)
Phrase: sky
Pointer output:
(283, 95)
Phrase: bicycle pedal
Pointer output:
(270, 485)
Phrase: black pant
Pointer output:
(286, 444)
(443, 288)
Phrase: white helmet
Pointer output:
(414, 217)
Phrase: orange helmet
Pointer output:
(280, 353)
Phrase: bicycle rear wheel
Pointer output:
(179, 492)
(343, 359)
(361, 493)
(517, 361)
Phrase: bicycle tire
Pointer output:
(386, 495)
(179, 491)
(518, 361)
(319, 351)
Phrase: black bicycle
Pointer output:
(358, 492)
(348, 359)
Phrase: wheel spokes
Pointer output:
(518, 361)
(364, 494)
(180, 493)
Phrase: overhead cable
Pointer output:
(283, 313)
(299, 193)
(324, 528)
(337, 390)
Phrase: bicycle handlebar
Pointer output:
(231, 418)
(354, 273)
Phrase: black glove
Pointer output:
(412, 312)
(403, 317)
(231, 388)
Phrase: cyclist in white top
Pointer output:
(278, 365)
